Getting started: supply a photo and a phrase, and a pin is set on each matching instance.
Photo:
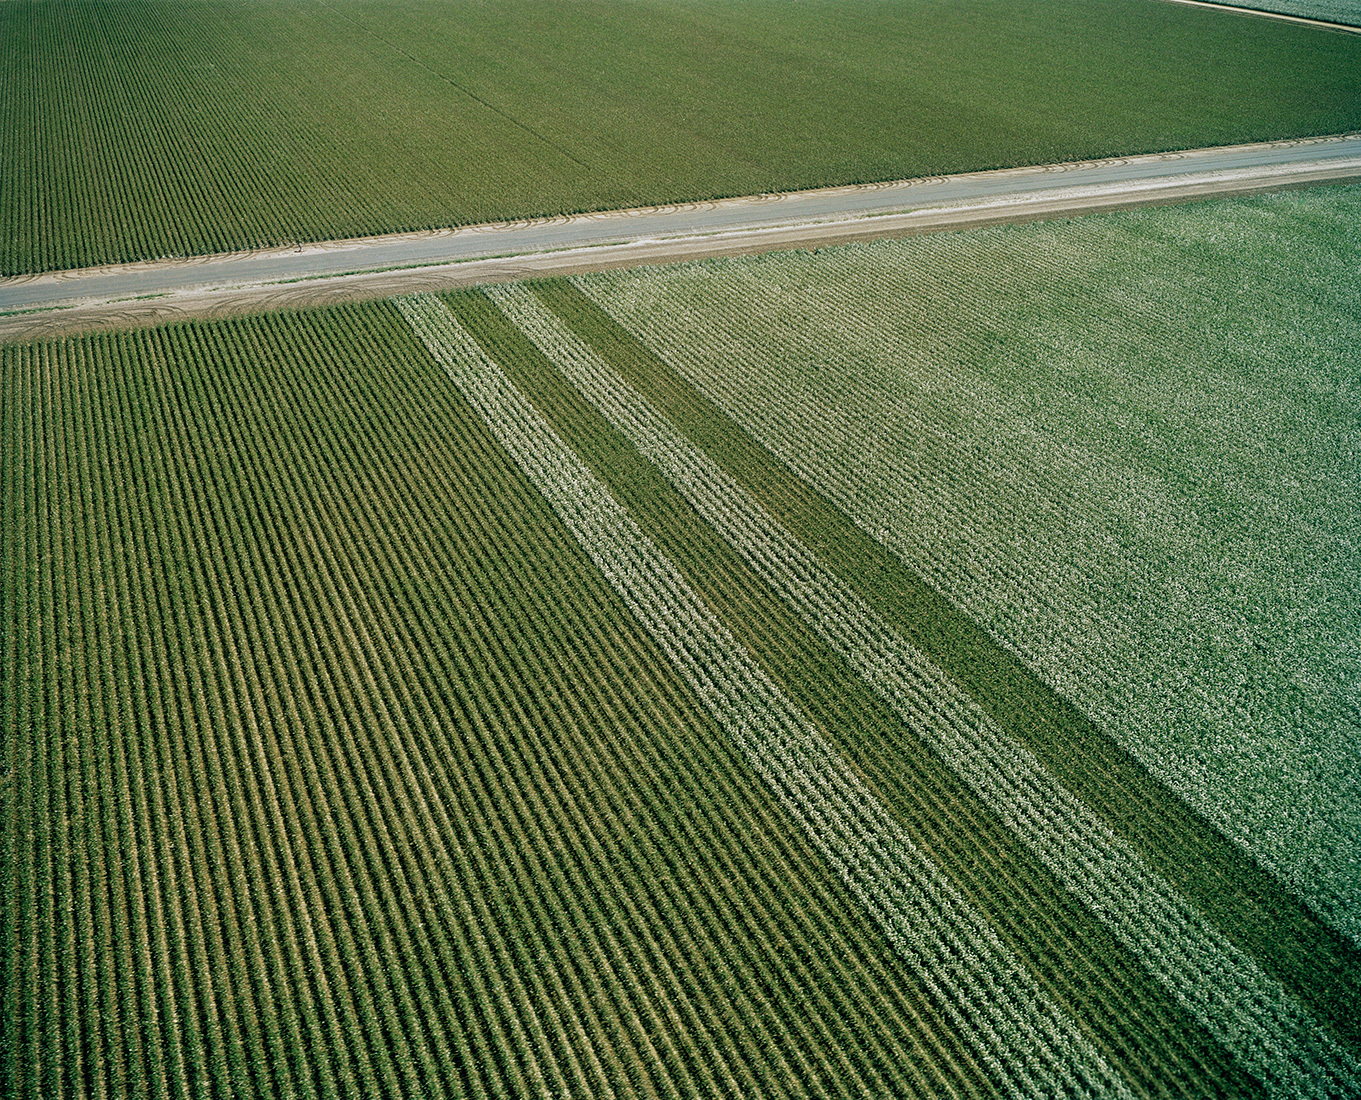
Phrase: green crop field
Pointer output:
(912, 669)
(138, 129)
(1131, 456)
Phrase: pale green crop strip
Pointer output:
(1023, 1038)
(1086, 559)
(1221, 985)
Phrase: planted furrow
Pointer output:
(242, 911)
(1221, 985)
(606, 463)
(276, 552)
(50, 811)
(116, 1008)
(29, 827)
(121, 1001)
(15, 446)
(173, 486)
(82, 982)
(492, 660)
(329, 935)
(381, 689)
(493, 595)
(862, 841)
(211, 127)
(1246, 904)
(1075, 958)
(361, 772)
(214, 1053)
(90, 905)
(149, 607)
(444, 697)
(306, 417)
(164, 817)
(863, 327)
(259, 893)
(64, 777)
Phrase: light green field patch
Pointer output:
(1331, 11)
(1124, 444)
(1222, 986)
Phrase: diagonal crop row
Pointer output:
(339, 770)
(1218, 983)
(1138, 1025)
(1025, 1040)
(508, 1043)
(498, 667)
(1249, 905)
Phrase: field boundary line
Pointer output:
(134, 295)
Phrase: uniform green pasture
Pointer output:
(152, 128)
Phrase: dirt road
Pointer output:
(211, 286)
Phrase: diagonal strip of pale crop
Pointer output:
(1027, 1043)
(1213, 979)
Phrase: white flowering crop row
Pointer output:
(1024, 1039)
(1213, 979)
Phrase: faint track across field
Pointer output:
(33, 306)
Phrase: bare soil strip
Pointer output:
(134, 295)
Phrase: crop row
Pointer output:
(1025, 1040)
(1067, 949)
(336, 770)
(969, 428)
(1086, 968)
(119, 169)
(140, 130)
(1221, 985)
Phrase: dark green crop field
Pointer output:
(148, 128)
(335, 769)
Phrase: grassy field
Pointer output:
(735, 679)
(148, 128)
